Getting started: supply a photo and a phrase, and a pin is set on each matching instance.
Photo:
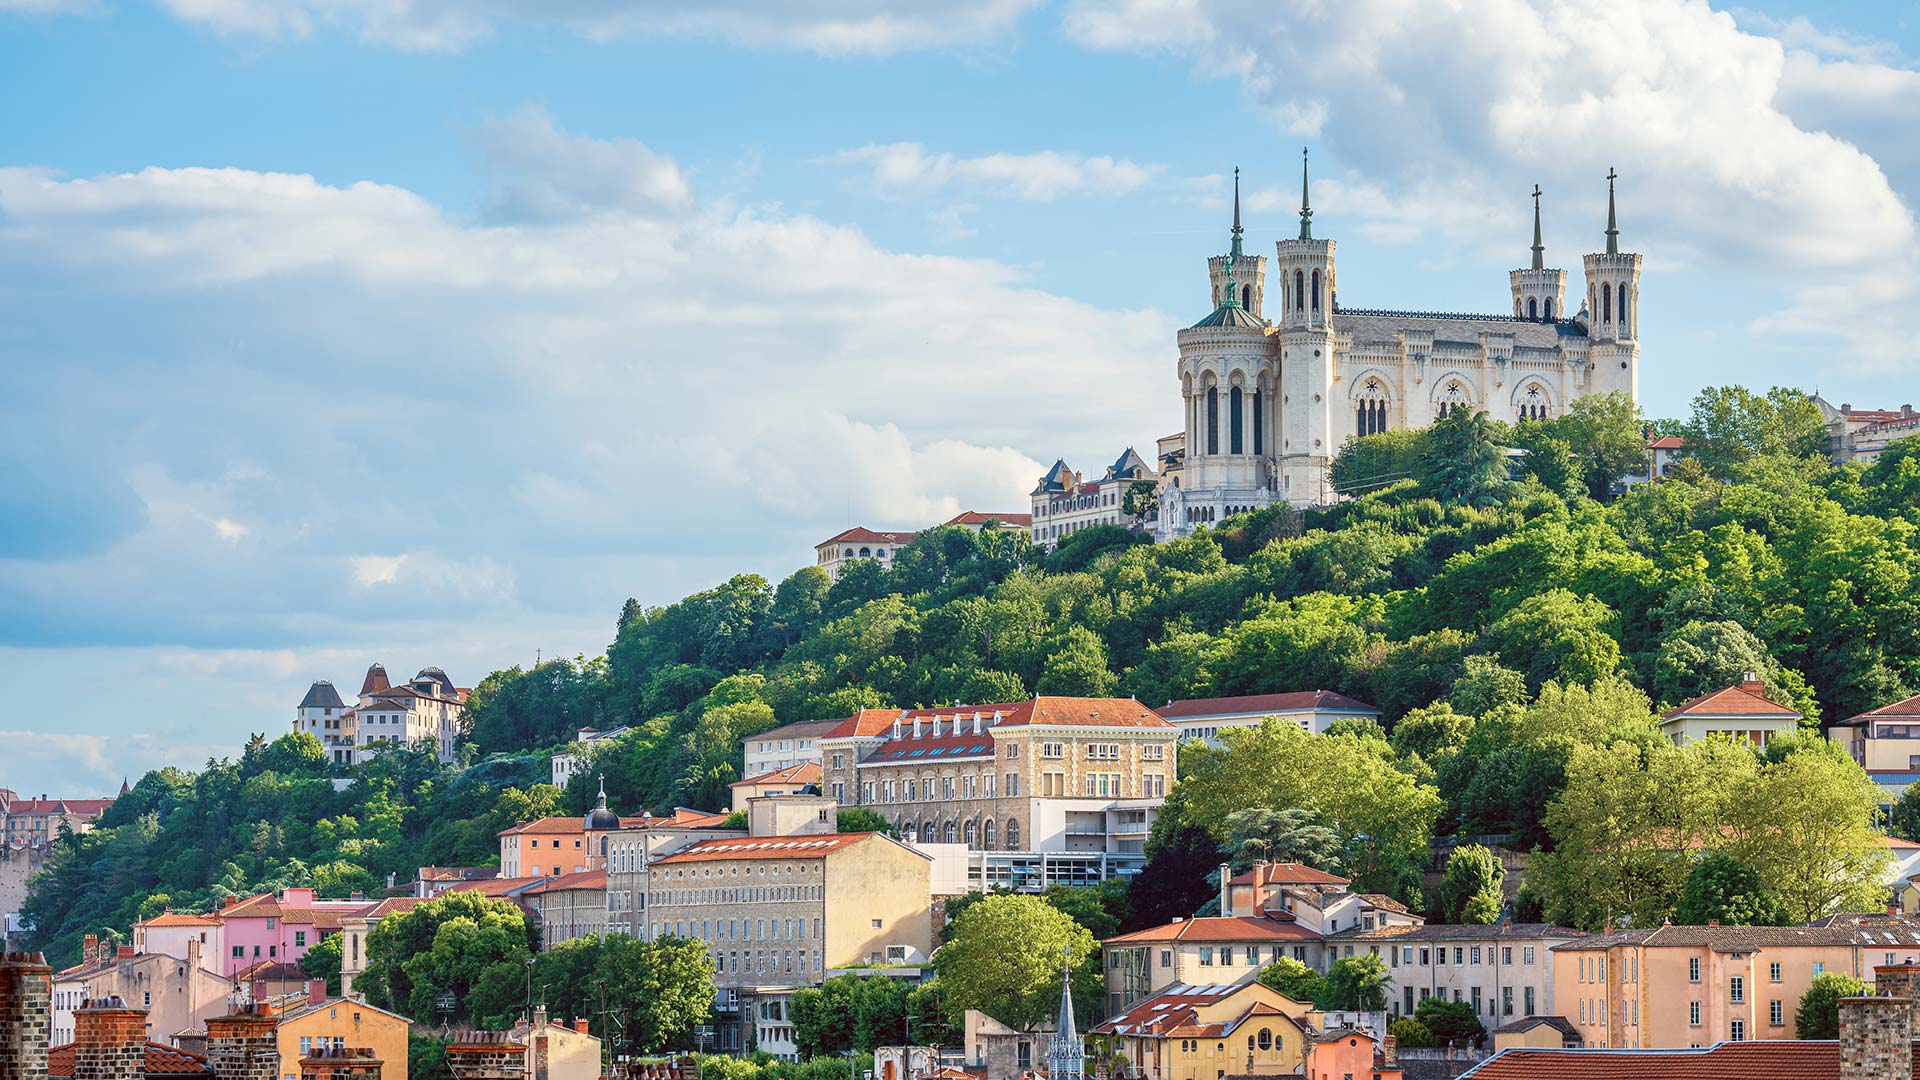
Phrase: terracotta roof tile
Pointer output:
(1228, 928)
(161, 1061)
(862, 535)
(1286, 873)
(585, 879)
(1732, 701)
(765, 847)
(178, 918)
(80, 807)
(1298, 701)
(1905, 709)
(1667, 442)
(807, 772)
(975, 517)
(1753, 1060)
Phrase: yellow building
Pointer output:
(1537, 1033)
(342, 1022)
(1205, 1032)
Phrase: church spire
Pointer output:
(1306, 210)
(1613, 228)
(1066, 1057)
(1236, 212)
(1539, 249)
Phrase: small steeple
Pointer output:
(1539, 249)
(1066, 1057)
(1306, 210)
(1613, 228)
(1236, 212)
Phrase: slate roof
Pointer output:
(1752, 1060)
(1464, 329)
(162, 1060)
(1461, 932)
(1717, 938)
(322, 695)
(1558, 1023)
(1270, 704)
(804, 729)
(1734, 701)
(1224, 928)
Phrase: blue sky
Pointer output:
(349, 330)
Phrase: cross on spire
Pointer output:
(1539, 249)
(1306, 210)
(1613, 228)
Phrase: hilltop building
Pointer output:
(785, 746)
(1861, 434)
(1065, 502)
(1313, 710)
(1741, 713)
(28, 828)
(584, 743)
(424, 711)
(1268, 401)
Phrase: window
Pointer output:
(1776, 1013)
(1528, 991)
(1533, 308)
(1476, 954)
(1506, 1001)
(1819, 968)
(1506, 955)
(1300, 291)
(1234, 399)
(1166, 958)
(1526, 954)
(1736, 988)
(300, 938)
(1316, 290)
(1737, 1031)
(1773, 971)
(1693, 969)
(1206, 958)
(1458, 954)
(1213, 420)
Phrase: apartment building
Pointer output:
(859, 542)
(1198, 951)
(792, 780)
(553, 846)
(1675, 986)
(1064, 502)
(267, 928)
(1321, 903)
(785, 746)
(1080, 778)
(1313, 710)
(175, 933)
(570, 906)
(1741, 713)
(1505, 970)
(1886, 743)
(175, 992)
(585, 742)
(424, 711)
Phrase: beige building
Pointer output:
(859, 542)
(569, 906)
(321, 1022)
(1313, 710)
(1886, 743)
(1065, 502)
(585, 742)
(1204, 1032)
(1507, 971)
(792, 780)
(1198, 951)
(1861, 434)
(27, 827)
(424, 711)
(785, 746)
(177, 992)
(557, 1051)
(353, 935)
(175, 933)
(1741, 713)
(1050, 774)
(1321, 903)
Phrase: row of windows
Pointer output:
(1463, 955)
(738, 929)
(1070, 503)
(1479, 1005)
(1055, 532)
(980, 838)
(747, 894)
(1236, 400)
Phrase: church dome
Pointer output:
(1230, 316)
(601, 818)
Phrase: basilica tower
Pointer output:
(1248, 272)
(1613, 310)
(1306, 444)
(1538, 292)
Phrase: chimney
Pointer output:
(580, 1024)
(1876, 1037)
(1750, 682)
(345, 1063)
(1713, 922)
(123, 952)
(109, 1041)
(1897, 980)
(539, 1018)
(916, 727)
(484, 1055)
(976, 723)
(316, 991)
(90, 949)
(1226, 891)
(241, 1045)
(193, 952)
(1389, 1047)
(26, 1014)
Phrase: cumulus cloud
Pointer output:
(832, 27)
(907, 170)
(1730, 142)
(336, 410)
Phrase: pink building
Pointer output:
(176, 934)
(262, 928)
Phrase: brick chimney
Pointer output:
(26, 1014)
(109, 1041)
(240, 1045)
(193, 953)
(485, 1055)
(123, 952)
(580, 1024)
(90, 949)
(1876, 1037)
(346, 1063)
(317, 991)
(1750, 682)
(1898, 980)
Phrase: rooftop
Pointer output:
(1269, 704)
(1225, 928)
(807, 772)
(1746, 700)
(1508, 931)
(765, 847)
(1905, 709)
(162, 1060)
(1762, 1059)
(860, 534)
(1286, 873)
(1716, 938)
(975, 517)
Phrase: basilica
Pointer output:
(1269, 400)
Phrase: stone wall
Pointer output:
(1876, 1038)
(487, 1060)
(110, 1041)
(348, 1063)
(26, 1015)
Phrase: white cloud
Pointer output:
(832, 27)
(1439, 109)
(544, 174)
(425, 423)
(906, 170)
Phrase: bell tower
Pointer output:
(1245, 275)
(1538, 292)
(1306, 449)
(1613, 305)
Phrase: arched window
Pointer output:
(1453, 398)
(1533, 404)
(986, 835)
(1259, 423)
(1620, 304)
(1606, 302)
(953, 833)
(1300, 290)
(1533, 308)
(1316, 290)
(1013, 835)
(1213, 420)
(1371, 412)
(1266, 1038)
(1233, 421)
(972, 834)
(865, 552)
(1548, 308)
(1246, 297)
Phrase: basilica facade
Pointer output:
(1269, 397)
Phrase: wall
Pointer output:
(357, 1024)
(876, 880)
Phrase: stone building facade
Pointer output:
(1268, 402)
(1052, 773)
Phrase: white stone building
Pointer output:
(588, 739)
(1860, 434)
(859, 542)
(1065, 502)
(1268, 402)
(424, 711)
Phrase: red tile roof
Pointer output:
(44, 805)
(1286, 873)
(1271, 704)
(765, 847)
(975, 517)
(393, 905)
(497, 886)
(585, 879)
(161, 1061)
(861, 535)
(1906, 709)
(807, 772)
(1753, 1060)
(865, 724)
(1667, 442)
(178, 918)
(1734, 701)
(1231, 928)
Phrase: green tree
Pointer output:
(322, 961)
(441, 948)
(1806, 826)
(1357, 983)
(1173, 883)
(1101, 908)
(1484, 685)
(1452, 1023)
(1607, 436)
(1004, 959)
(1904, 821)
(1411, 1033)
(862, 819)
(1141, 501)
(1731, 425)
(1560, 636)
(1077, 666)
(1721, 888)
(1462, 460)
(1470, 888)
(1818, 1016)
(1261, 835)
(1294, 979)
